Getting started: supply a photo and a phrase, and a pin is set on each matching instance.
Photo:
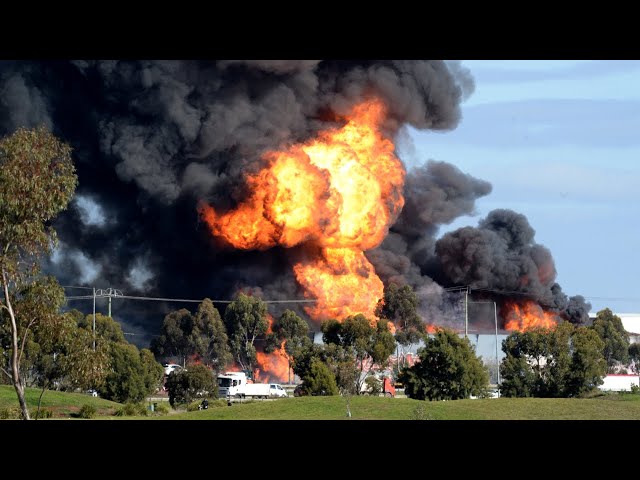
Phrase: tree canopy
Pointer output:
(634, 356)
(197, 381)
(246, 320)
(370, 345)
(449, 369)
(209, 337)
(174, 337)
(319, 380)
(37, 181)
(134, 374)
(616, 340)
(562, 362)
(292, 331)
(204, 336)
(399, 306)
(340, 362)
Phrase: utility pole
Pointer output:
(94, 319)
(109, 292)
(466, 312)
(495, 316)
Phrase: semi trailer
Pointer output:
(235, 385)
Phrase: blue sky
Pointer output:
(560, 142)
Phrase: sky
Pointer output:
(559, 142)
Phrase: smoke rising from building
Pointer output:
(151, 139)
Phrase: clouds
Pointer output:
(527, 71)
(557, 141)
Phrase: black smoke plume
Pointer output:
(152, 138)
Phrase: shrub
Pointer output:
(134, 374)
(195, 405)
(132, 409)
(635, 389)
(87, 411)
(373, 385)
(217, 403)
(449, 369)
(10, 413)
(187, 385)
(162, 408)
(320, 380)
(141, 409)
(44, 413)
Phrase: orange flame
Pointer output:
(338, 194)
(272, 366)
(391, 327)
(525, 315)
(430, 328)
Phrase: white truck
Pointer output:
(235, 385)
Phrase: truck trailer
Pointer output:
(235, 385)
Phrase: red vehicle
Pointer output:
(388, 390)
(387, 387)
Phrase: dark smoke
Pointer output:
(499, 254)
(577, 311)
(436, 193)
(501, 257)
(152, 138)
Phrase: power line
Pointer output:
(453, 289)
(164, 299)
(505, 292)
(75, 286)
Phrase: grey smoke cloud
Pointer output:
(21, 103)
(436, 193)
(151, 138)
(501, 254)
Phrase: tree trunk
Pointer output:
(15, 366)
(44, 386)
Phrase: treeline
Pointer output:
(567, 361)
(61, 353)
(353, 347)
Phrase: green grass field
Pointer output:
(62, 404)
(609, 407)
(604, 407)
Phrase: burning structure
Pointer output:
(199, 178)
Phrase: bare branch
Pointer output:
(24, 339)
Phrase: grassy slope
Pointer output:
(607, 407)
(61, 403)
(610, 407)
